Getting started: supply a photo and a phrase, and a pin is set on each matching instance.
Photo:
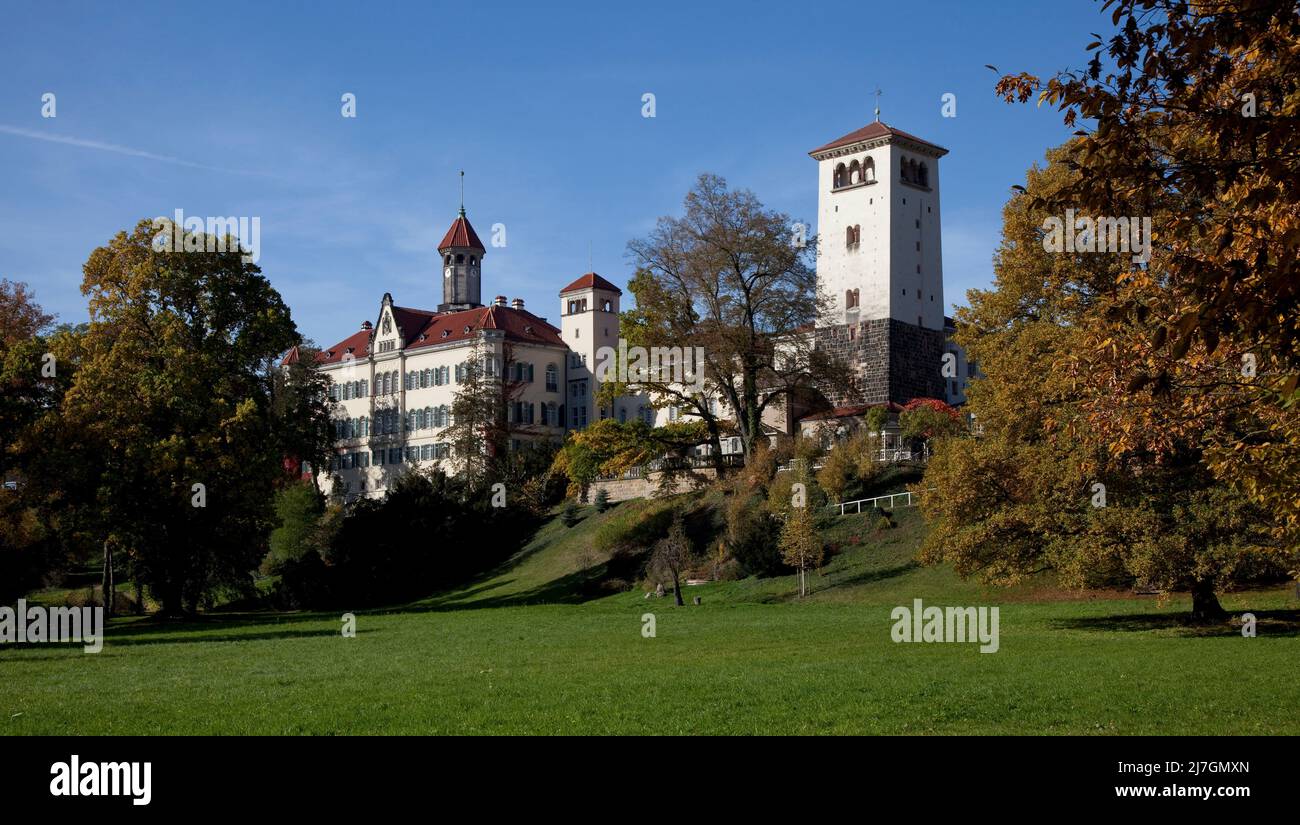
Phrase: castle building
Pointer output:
(393, 381)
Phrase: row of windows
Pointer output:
(644, 413)
(385, 422)
(914, 172)
(580, 305)
(429, 417)
(349, 390)
(855, 173)
(392, 455)
(859, 172)
(387, 383)
(547, 413)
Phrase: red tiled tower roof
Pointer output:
(874, 130)
(461, 234)
(591, 281)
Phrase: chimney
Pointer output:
(365, 325)
(517, 303)
(499, 301)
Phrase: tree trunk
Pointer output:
(677, 590)
(106, 589)
(1205, 604)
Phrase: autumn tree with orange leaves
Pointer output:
(1189, 112)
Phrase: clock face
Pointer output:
(446, 273)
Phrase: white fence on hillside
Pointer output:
(909, 500)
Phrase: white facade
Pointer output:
(879, 247)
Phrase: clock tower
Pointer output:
(461, 256)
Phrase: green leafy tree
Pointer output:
(301, 412)
(731, 277)
(801, 545)
(171, 412)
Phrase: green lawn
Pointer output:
(493, 658)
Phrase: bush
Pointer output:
(602, 500)
(751, 536)
(425, 535)
(569, 516)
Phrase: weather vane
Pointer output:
(877, 104)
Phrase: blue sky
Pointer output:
(539, 103)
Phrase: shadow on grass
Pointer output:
(111, 640)
(1283, 623)
(575, 588)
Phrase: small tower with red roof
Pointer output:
(461, 253)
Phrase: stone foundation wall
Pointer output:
(622, 489)
(893, 360)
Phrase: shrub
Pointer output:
(602, 500)
(751, 536)
(569, 516)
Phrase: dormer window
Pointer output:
(445, 333)
(467, 328)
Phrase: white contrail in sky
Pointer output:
(121, 150)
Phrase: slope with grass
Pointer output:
(536, 647)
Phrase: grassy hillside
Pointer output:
(752, 658)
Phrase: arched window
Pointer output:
(857, 234)
(869, 170)
(841, 176)
(904, 171)
(855, 172)
(848, 236)
(923, 175)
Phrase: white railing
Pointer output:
(872, 502)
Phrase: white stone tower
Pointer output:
(589, 310)
(880, 259)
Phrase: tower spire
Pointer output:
(462, 181)
(877, 107)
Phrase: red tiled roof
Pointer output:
(518, 324)
(422, 328)
(851, 412)
(357, 344)
(290, 357)
(873, 130)
(461, 234)
(591, 281)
